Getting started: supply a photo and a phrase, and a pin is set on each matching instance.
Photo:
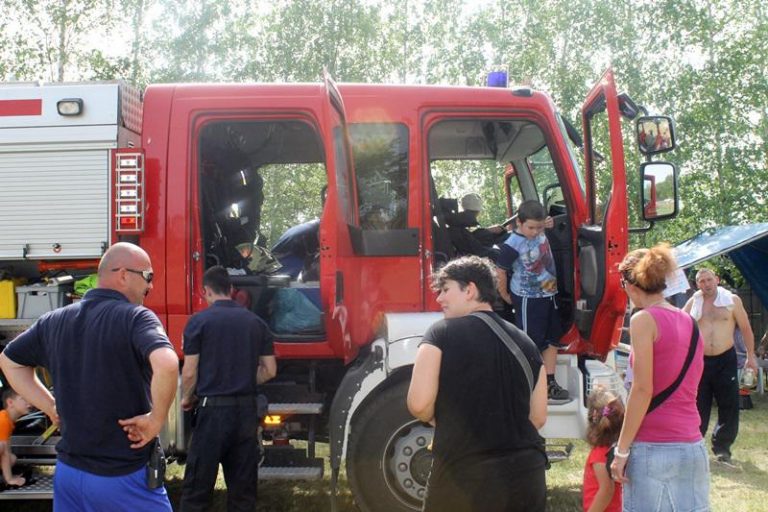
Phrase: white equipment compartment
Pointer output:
(55, 169)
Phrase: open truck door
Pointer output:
(603, 240)
(338, 284)
(251, 147)
(249, 144)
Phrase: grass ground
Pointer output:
(744, 489)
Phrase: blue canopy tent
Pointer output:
(747, 246)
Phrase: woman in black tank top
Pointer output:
(488, 454)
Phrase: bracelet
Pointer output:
(617, 453)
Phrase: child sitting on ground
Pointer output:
(14, 408)
(605, 416)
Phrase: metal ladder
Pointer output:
(284, 462)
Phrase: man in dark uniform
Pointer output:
(227, 353)
(110, 359)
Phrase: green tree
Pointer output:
(705, 63)
(297, 39)
(716, 87)
(54, 37)
(195, 41)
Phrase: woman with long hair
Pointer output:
(660, 456)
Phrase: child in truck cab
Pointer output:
(605, 416)
(532, 287)
(14, 408)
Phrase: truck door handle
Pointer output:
(339, 287)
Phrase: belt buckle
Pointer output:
(205, 401)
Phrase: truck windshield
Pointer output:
(571, 152)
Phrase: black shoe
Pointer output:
(725, 460)
(555, 392)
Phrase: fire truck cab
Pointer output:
(351, 189)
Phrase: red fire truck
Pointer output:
(189, 171)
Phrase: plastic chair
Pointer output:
(762, 364)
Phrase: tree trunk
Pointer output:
(138, 39)
(62, 50)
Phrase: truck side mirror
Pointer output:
(655, 134)
(658, 194)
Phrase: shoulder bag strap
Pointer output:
(504, 336)
(659, 399)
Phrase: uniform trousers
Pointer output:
(226, 435)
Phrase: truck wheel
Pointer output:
(387, 458)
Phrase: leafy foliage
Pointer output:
(704, 63)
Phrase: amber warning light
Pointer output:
(129, 193)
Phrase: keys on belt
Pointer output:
(228, 401)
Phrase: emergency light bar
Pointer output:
(128, 198)
(497, 78)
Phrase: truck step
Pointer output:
(295, 408)
(40, 490)
(564, 401)
(289, 463)
(290, 473)
(289, 398)
(559, 452)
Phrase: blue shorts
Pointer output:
(538, 317)
(79, 491)
(667, 477)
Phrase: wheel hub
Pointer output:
(408, 462)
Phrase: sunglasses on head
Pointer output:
(624, 279)
(147, 275)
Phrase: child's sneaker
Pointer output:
(555, 392)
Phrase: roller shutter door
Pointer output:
(54, 203)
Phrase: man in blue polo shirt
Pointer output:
(114, 374)
(227, 353)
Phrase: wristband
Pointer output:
(617, 453)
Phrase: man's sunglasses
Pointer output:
(147, 275)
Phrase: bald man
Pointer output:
(115, 376)
(718, 312)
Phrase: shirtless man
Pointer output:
(718, 312)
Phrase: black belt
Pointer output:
(228, 401)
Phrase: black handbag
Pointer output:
(666, 393)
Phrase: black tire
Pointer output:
(387, 457)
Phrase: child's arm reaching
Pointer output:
(605, 492)
(6, 461)
(503, 285)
